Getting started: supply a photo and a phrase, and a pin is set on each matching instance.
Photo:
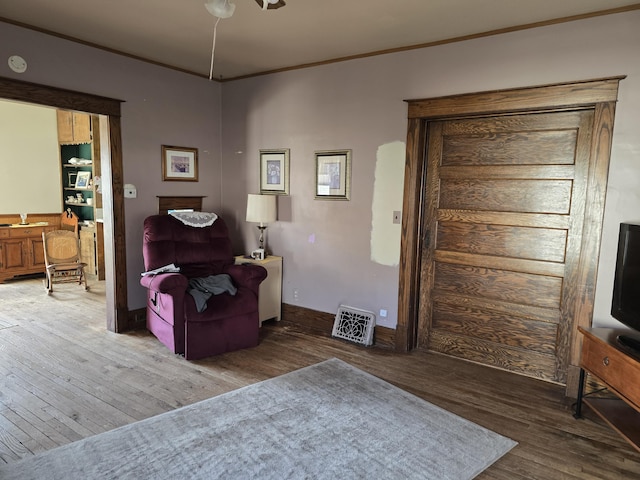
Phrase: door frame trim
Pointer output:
(599, 94)
(116, 284)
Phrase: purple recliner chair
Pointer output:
(228, 322)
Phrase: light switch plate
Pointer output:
(130, 191)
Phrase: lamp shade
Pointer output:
(261, 208)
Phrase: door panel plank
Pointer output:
(533, 122)
(503, 241)
(541, 314)
(505, 218)
(512, 287)
(530, 172)
(502, 328)
(511, 148)
(512, 264)
(534, 196)
(489, 353)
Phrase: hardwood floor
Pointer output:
(64, 377)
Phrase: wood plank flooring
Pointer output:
(64, 377)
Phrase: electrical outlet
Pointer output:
(383, 313)
(397, 216)
(296, 295)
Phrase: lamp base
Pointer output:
(261, 248)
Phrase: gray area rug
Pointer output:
(329, 420)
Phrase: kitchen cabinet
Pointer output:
(21, 250)
(73, 127)
(92, 250)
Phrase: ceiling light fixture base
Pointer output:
(220, 8)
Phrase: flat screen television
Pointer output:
(625, 306)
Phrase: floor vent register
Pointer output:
(354, 325)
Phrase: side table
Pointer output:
(620, 373)
(270, 295)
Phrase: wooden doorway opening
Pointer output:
(111, 151)
(503, 206)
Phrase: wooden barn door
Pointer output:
(505, 207)
(504, 198)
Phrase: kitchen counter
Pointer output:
(24, 225)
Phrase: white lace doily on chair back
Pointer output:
(195, 219)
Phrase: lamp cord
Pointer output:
(213, 47)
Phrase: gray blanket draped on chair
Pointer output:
(202, 288)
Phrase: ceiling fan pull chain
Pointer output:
(213, 48)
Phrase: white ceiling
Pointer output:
(179, 33)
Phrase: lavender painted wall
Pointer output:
(359, 105)
(161, 106)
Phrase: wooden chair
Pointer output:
(69, 221)
(62, 259)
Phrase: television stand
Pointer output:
(604, 358)
(630, 344)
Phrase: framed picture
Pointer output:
(333, 174)
(274, 172)
(179, 164)
(72, 179)
(82, 180)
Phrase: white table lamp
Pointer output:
(261, 209)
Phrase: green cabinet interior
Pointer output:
(84, 210)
